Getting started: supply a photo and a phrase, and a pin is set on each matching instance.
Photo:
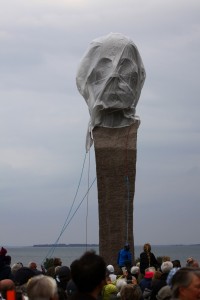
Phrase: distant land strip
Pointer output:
(66, 245)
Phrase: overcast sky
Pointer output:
(43, 119)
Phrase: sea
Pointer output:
(70, 253)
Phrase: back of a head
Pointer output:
(166, 258)
(88, 271)
(130, 292)
(3, 251)
(165, 293)
(191, 262)
(135, 270)
(157, 274)
(15, 268)
(120, 283)
(41, 287)
(64, 273)
(57, 262)
(6, 285)
(166, 266)
(150, 269)
(32, 265)
(22, 275)
(110, 269)
(148, 274)
(176, 263)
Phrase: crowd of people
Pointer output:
(90, 278)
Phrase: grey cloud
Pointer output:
(43, 118)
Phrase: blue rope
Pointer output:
(127, 208)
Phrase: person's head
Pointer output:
(3, 251)
(166, 266)
(191, 262)
(186, 284)
(165, 293)
(57, 262)
(110, 269)
(157, 275)
(15, 268)
(20, 263)
(42, 287)
(130, 292)
(147, 247)
(165, 258)
(22, 275)
(135, 271)
(63, 273)
(120, 283)
(57, 270)
(6, 285)
(150, 269)
(148, 275)
(32, 265)
(176, 263)
(88, 272)
(127, 247)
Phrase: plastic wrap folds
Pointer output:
(110, 77)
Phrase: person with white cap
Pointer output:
(111, 273)
(135, 272)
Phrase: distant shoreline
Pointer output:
(97, 245)
(65, 245)
(89, 245)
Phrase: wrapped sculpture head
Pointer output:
(110, 78)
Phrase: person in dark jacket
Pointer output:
(145, 283)
(5, 270)
(89, 275)
(147, 259)
(161, 282)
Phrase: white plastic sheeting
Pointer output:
(110, 77)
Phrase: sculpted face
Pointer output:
(110, 78)
(113, 86)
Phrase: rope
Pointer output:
(52, 249)
(66, 225)
(127, 208)
(80, 203)
(86, 221)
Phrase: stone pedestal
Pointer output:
(115, 151)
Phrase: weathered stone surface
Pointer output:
(116, 153)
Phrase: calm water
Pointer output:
(68, 254)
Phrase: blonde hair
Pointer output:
(147, 250)
(147, 247)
